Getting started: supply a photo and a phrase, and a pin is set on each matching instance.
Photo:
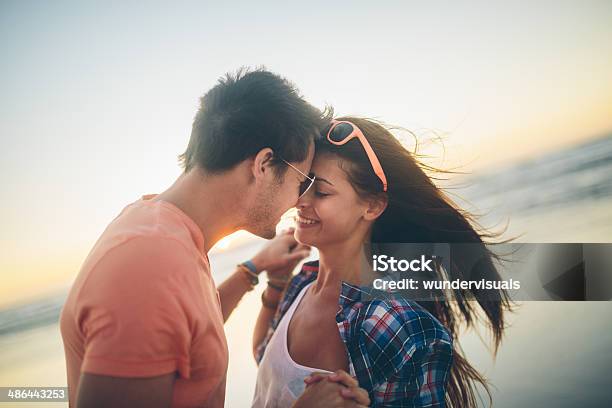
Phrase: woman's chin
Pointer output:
(305, 236)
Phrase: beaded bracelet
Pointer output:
(276, 287)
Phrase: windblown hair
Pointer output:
(420, 212)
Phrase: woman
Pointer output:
(369, 189)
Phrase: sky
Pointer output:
(97, 99)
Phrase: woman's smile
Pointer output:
(306, 222)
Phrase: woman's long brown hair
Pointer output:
(420, 212)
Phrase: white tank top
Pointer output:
(280, 380)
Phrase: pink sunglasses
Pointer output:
(342, 131)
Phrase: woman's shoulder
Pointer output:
(402, 320)
(309, 269)
(307, 274)
(395, 341)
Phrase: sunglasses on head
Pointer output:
(342, 131)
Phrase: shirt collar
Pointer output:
(196, 233)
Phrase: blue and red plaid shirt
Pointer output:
(398, 351)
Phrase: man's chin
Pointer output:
(266, 233)
(269, 234)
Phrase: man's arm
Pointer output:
(231, 291)
(281, 254)
(136, 330)
(99, 391)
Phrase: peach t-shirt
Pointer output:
(144, 304)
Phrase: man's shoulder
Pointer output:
(148, 227)
(140, 258)
(154, 220)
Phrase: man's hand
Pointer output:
(338, 389)
(281, 255)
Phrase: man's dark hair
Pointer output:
(247, 112)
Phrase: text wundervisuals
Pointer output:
(481, 284)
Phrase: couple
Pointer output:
(143, 323)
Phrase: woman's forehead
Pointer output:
(329, 167)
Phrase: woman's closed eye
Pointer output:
(320, 193)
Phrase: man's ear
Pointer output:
(376, 206)
(262, 163)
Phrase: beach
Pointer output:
(553, 354)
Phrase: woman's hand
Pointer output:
(350, 389)
(325, 393)
(280, 256)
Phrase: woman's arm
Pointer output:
(406, 358)
(270, 301)
(431, 375)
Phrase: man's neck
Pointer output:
(210, 201)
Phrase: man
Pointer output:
(143, 323)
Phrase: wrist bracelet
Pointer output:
(250, 265)
(277, 281)
(276, 287)
(252, 277)
(266, 303)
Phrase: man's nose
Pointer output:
(304, 201)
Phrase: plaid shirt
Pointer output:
(398, 351)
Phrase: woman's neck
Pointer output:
(342, 263)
